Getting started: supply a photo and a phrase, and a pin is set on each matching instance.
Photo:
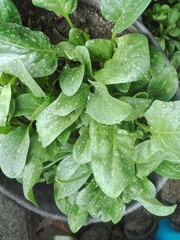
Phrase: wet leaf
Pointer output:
(5, 98)
(78, 37)
(8, 12)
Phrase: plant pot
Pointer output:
(44, 193)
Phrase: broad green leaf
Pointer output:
(111, 157)
(157, 61)
(165, 135)
(155, 207)
(82, 148)
(63, 238)
(83, 56)
(100, 49)
(32, 47)
(9, 13)
(123, 87)
(63, 204)
(65, 50)
(60, 7)
(130, 62)
(164, 85)
(26, 104)
(70, 176)
(17, 68)
(147, 157)
(31, 176)
(139, 107)
(112, 9)
(50, 126)
(131, 10)
(64, 105)
(13, 152)
(78, 37)
(5, 98)
(169, 169)
(104, 108)
(77, 218)
(71, 79)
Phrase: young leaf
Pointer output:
(32, 47)
(71, 79)
(164, 85)
(70, 176)
(147, 157)
(100, 49)
(83, 56)
(157, 61)
(112, 9)
(82, 148)
(26, 104)
(78, 37)
(60, 7)
(104, 108)
(65, 50)
(129, 11)
(31, 176)
(13, 152)
(16, 68)
(111, 158)
(50, 126)
(130, 62)
(9, 13)
(5, 98)
(155, 207)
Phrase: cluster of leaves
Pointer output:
(163, 19)
(97, 127)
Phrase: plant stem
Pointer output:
(69, 21)
(143, 126)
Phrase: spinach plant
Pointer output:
(97, 127)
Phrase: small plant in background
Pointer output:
(95, 128)
(163, 20)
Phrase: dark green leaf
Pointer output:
(164, 85)
(71, 79)
(78, 37)
(157, 61)
(129, 63)
(104, 108)
(111, 158)
(65, 50)
(8, 12)
(5, 99)
(13, 152)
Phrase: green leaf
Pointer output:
(78, 37)
(169, 169)
(165, 135)
(130, 62)
(147, 157)
(155, 207)
(71, 79)
(32, 47)
(64, 105)
(139, 107)
(31, 176)
(82, 148)
(5, 99)
(83, 56)
(111, 158)
(70, 176)
(60, 7)
(9, 13)
(65, 50)
(13, 152)
(104, 108)
(100, 49)
(122, 13)
(157, 61)
(77, 218)
(63, 238)
(164, 85)
(50, 126)
(16, 68)
(26, 104)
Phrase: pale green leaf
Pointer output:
(5, 98)
(13, 152)
(104, 108)
(83, 56)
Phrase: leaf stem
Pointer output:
(143, 126)
(68, 20)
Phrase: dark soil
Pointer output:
(85, 17)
